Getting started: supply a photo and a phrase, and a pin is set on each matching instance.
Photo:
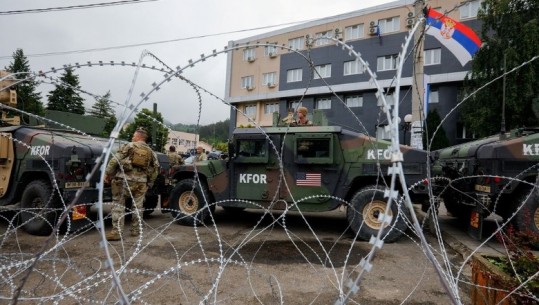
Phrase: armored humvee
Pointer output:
(497, 175)
(314, 168)
(32, 161)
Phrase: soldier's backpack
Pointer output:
(140, 157)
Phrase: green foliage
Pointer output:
(65, 97)
(27, 98)
(102, 109)
(145, 119)
(222, 146)
(440, 139)
(521, 261)
(212, 133)
(510, 29)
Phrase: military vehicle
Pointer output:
(33, 161)
(315, 168)
(497, 175)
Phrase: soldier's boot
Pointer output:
(135, 232)
(113, 235)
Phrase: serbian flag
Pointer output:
(458, 38)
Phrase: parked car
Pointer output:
(215, 155)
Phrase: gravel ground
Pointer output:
(244, 259)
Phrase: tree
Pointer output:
(65, 97)
(27, 98)
(510, 30)
(144, 119)
(214, 133)
(431, 123)
(103, 109)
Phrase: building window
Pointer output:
(174, 142)
(249, 54)
(353, 67)
(296, 43)
(433, 57)
(294, 105)
(323, 103)
(469, 9)
(269, 79)
(250, 110)
(271, 108)
(323, 38)
(354, 101)
(353, 32)
(322, 71)
(388, 25)
(433, 96)
(247, 82)
(294, 75)
(388, 62)
(270, 51)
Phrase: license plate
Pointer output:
(72, 185)
(482, 188)
(79, 212)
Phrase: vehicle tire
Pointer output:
(187, 204)
(527, 218)
(362, 215)
(456, 208)
(39, 208)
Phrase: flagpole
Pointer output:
(416, 131)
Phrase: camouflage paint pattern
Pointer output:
(492, 175)
(174, 158)
(515, 156)
(318, 162)
(121, 167)
(70, 155)
(122, 189)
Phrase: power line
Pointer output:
(155, 42)
(74, 7)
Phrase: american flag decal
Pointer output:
(308, 179)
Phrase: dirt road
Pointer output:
(246, 258)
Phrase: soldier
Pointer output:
(131, 173)
(173, 157)
(302, 117)
(201, 155)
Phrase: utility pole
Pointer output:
(418, 88)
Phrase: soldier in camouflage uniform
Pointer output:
(302, 117)
(201, 154)
(173, 157)
(131, 172)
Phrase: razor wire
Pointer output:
(222, 262)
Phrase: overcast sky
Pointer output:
(109, 27)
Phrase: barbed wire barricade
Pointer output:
(277, 254)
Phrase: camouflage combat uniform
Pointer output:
(201, 157)
(174, 158)
(129, 180)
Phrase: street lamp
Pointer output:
(406, 126)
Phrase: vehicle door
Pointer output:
(312, 169)
(255, 168)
